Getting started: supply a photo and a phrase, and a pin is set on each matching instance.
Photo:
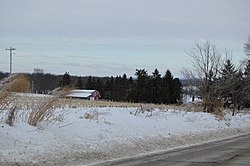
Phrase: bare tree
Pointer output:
(247, 47)
(246, 75)
(206, 62)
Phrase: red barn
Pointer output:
(85, 94)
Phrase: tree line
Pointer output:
(144, 88)
(218, 79)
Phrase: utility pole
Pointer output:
(10, 49)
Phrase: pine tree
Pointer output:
(124, 87)
(65, 80)
(156, 87)
(109, 89)
(79, 84)
(167, 89)
(228, 71)
(229, 84)
(247, 69)
(142, 91)
(247, 47)
(117, 89)
(131, 93)
(99, 86)
(246, 85)
(225, 82)
(90, 83)
(177, 90)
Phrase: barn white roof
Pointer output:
(81, 93)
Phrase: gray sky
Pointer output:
(112, 37)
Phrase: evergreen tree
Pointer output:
(117, 89)
(109, 89)
(130, 81)
(177, 90)
(79, 84)
(228, 71)
(156, 87)
(247, 69)
(124, 87)
(167, 89)
(90, 83)
(229, 84)
(65, 80)
(246, 85)
(142, 91)
(99, 86)
(247, 47)
(131, 92)
(228, 74)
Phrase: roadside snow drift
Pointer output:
(86, 135)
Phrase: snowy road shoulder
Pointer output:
(95, 134)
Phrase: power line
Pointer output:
(10, 49)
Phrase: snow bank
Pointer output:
(87, 135)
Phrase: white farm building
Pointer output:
(85, 94)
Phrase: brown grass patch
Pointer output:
(11, 117)
(13, 83)
(44, 109)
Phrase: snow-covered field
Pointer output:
(85, 135)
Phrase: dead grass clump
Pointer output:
(74, 103)
(193, 107)
(11, 117)
(5, 92)
(4, 100)
(45, 108)
(13, 83)
(144, 108)
(219, 114)
(91, 115)
(218, 109)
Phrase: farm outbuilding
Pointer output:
(85, 94)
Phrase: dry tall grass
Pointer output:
(74, 103)
(144, 108)
(45, 107)
(5, 92)
(11, 117)
(13, 83)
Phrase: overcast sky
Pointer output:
(112, 37)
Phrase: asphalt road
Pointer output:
(228, 152)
